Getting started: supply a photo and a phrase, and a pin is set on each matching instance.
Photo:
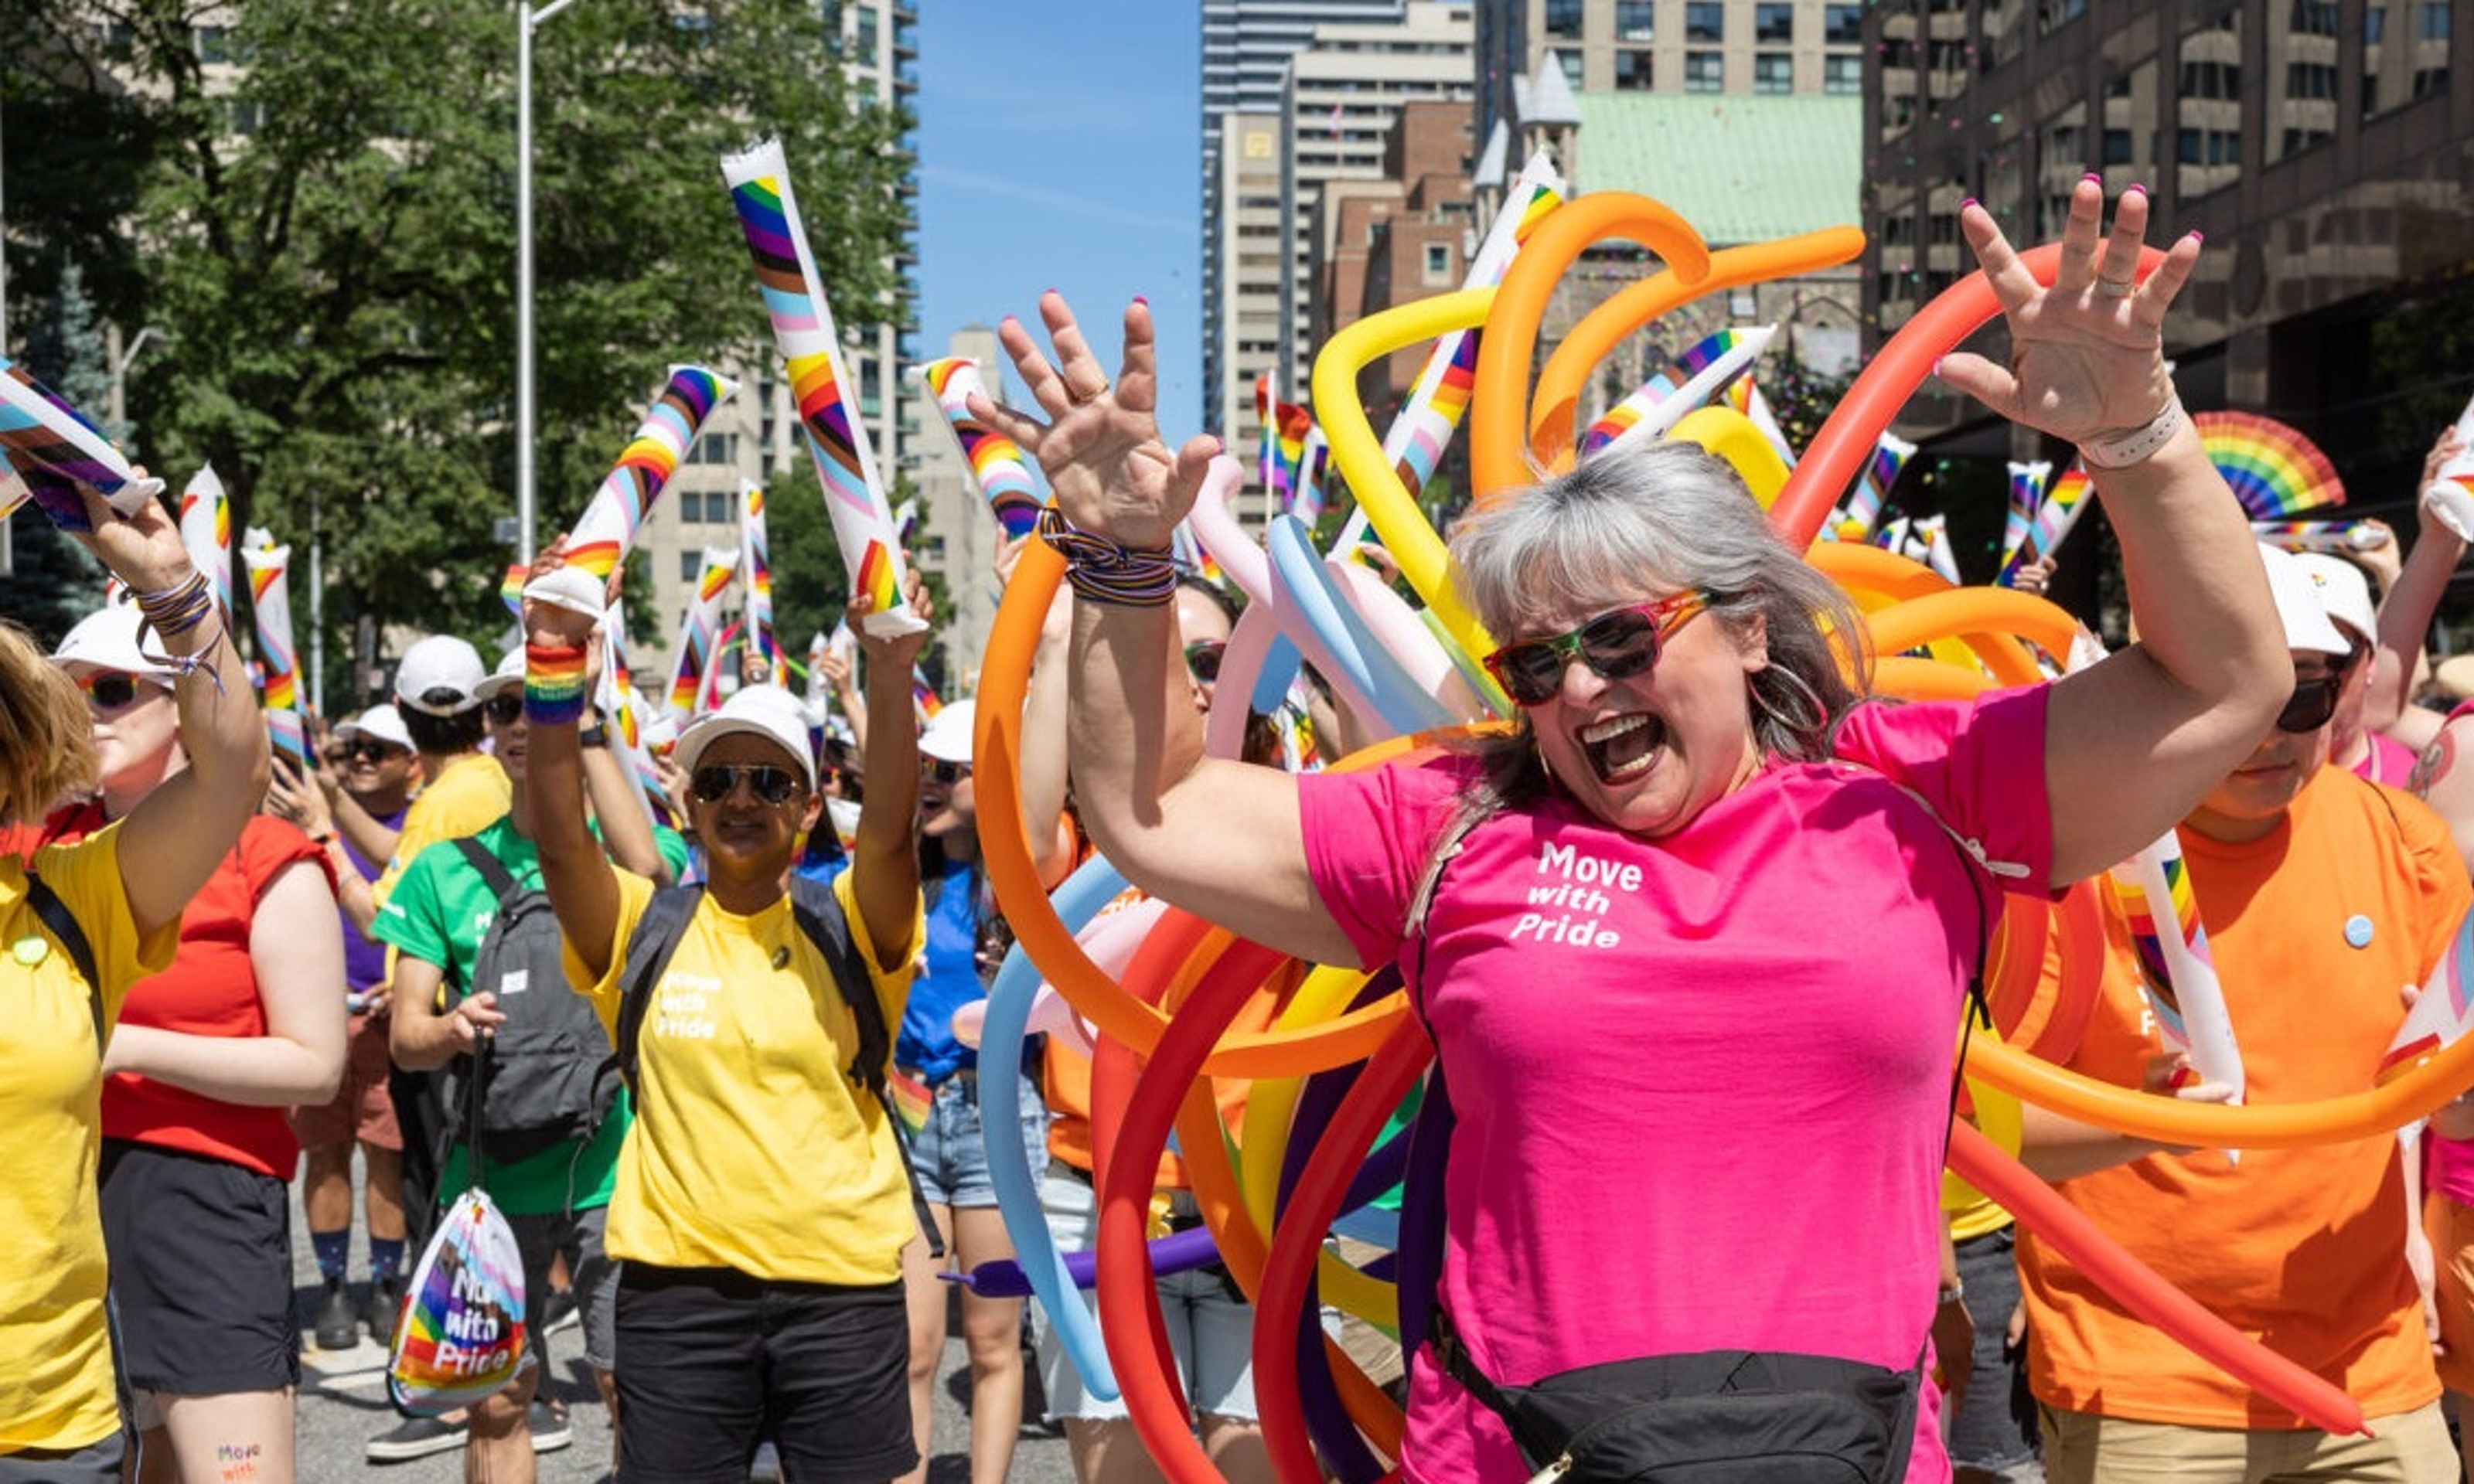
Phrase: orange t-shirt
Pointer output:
(2301, 1249)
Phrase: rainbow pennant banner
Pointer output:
(511, 589)
(2450, 494)
(2027, 483)
(997, 466)
(698, 650)
(205, 530)
(2440, 1014)
(1707, 366)
(270, 606)
(54, 450)
(2275, 471)
(759, 573)
(828, 399)
(2345, 537)
(2066, 500)
(607, 530)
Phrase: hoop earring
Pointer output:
(1805, 696)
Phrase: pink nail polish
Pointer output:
(1936, 365)
(2093, 176)
(1143, 300)
(1966, 201)
(2197, 235)
(2134, 186)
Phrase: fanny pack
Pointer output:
(1714, 1417)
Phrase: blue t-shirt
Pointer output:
(948, 978)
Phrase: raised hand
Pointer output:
(2086, 354)
(550, 624)
(902, 650)
(142, 548)
(1101, 449)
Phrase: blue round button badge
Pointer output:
(2358, 931)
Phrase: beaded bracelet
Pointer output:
(1103, 571)
(554, 683)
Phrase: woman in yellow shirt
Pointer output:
(113, 900)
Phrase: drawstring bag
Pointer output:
(460, 1334)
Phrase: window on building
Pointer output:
(1773, 23)
(1842, 75)
(691, 570)
(1634, 69)
(1843, 24)
(2117, 146)
(214, 44)
(1563, 19)
(717, 448)
(2429, 81)
(1772, 72)
(2314, 17)
(1439, 262)
(1570, 62)
(1704, 20)
(2211, 79)
(1705, 72)
(2297, 140)
(2431, 22)
(2207, 147)
(1635, 20)
(2310, 79)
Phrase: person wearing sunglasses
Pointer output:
(206, 1062)
(763, 1202)
(1692, 936)
(83, 923)
(2321, 894)
(556, 1196)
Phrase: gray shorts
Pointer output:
(594, 1276)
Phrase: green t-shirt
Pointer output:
(439, 912)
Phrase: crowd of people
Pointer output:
(712, 1056)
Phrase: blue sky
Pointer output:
(1059, 146)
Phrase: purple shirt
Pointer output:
(364, 961)
(1702, 1082)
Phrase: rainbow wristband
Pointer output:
(1100, 570)
(553, 684)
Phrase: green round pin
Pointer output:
(30, 951)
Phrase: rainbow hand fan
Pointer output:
(2275, 471)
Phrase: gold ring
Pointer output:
(2116, 288)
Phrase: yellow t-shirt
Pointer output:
(55, 1389)
(472, 792)
(750, 1149)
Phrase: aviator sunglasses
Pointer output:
(715, 781)
(1615, 645)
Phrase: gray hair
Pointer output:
(1667, 516)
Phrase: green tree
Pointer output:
(330, 240)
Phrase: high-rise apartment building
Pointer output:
(1245, 48)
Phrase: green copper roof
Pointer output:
(1739, 168)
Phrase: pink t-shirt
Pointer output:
(2387, 761)
(1702, 1082)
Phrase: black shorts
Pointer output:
(715, 1360)
(201, 1256)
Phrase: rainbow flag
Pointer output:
(511, 589)
(803, 331)
(2065, 501)
(925, 702)
(1296, 423)
(2274, 470)
(699, 637)
(2027, 483)
(911, 1099)
(997, 466)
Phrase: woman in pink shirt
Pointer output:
(1699, 925)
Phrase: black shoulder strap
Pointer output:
(656, 937)
(64, 923)
(821, 918)
(494, 870)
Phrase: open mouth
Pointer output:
(1622, 748)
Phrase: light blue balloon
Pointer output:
(1272, 682)
(1300, 580)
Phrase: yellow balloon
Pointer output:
(1734, 437)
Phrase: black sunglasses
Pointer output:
(2314, 702)
(717, 781)
(110, 689)
(502, 709)
(1202, 659)
(1616, 645)
(361, 750)
(936, 770)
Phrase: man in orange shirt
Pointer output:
(2321, 894)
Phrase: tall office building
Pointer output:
(1245, 48)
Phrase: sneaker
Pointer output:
(337, 1328)
(768, 1466)
(415, 1437)
(560, 1312)
(548, 1426)
(386, 1297)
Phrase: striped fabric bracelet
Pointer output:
(1100, 571)
(553, 684)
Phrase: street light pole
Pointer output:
(121, 361)
(528, 21)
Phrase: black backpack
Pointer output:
(820, 919)
(543, 1080)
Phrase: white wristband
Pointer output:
(2132, 448)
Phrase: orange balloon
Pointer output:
(1553, 415)
(1983, 618)
(1499, 390)
(1862, 567)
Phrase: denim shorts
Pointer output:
(1211, 1333)
(951, 1156)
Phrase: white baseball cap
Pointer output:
(382, 722)
(2299, 604)
(768, 711)
(947, 736)
(508, 676)
(439, 675)
(2344, 591)
(108, 640)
